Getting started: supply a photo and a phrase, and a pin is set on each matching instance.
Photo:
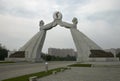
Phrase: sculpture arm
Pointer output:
(66, 25)
(48, 26)
(69, 25)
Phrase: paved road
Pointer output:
(86, 74)
(17, 69)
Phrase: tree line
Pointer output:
(94, 53)
(3, 52)
(48, 57)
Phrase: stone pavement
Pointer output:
(102, 71)
(18, 69)
(86, 74)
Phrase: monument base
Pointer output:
(15, 59)
(103, 59)
(24, 59)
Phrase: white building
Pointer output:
(61, 52)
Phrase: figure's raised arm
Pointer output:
(57, 16)
(47, 26)
(69, 25)
(65, 24)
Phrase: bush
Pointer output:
(47, 57)
(118, 55)
(80, 65)
(3, 62)
(3, 53)
(100, 53)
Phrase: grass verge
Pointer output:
(80, 65)
(39, 75)
(3, 62)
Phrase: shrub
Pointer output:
(80, 65)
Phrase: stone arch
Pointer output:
(83, 44)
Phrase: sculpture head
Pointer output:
(41, 23)
(57, 15)
(75, 20)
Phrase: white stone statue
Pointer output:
(58, 19)
(34, 46)
(83, 44)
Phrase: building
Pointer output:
(61, 52)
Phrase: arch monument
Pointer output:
(83, 44)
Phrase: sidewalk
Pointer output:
(86, 74)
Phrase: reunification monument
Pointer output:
(34, 46)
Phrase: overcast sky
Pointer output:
(98, 19)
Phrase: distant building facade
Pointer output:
(61, 52)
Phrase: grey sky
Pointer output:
(98, 19)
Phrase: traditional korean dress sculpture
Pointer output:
(34, 46)
(83, 44)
